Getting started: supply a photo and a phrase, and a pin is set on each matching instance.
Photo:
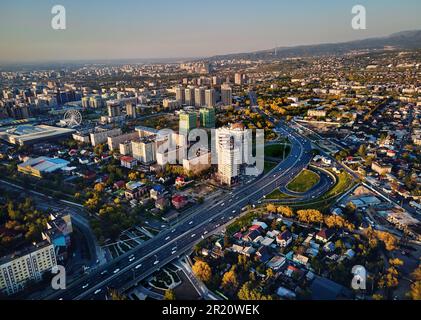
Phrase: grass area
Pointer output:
(244, 221)
(277, 195)
(304, 181)
(344, 182)
(276, 151)
(269, 165)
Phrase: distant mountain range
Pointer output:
(401, 40)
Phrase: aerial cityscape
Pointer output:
(285, 169)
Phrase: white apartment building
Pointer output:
(18, 269)
(144, 150)
(101, 135)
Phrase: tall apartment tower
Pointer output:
(207, 117)
(210, 97)
(238, 79)
(189, 96)
(113, 109)
(229, 147)
(131, 110)
(226, 95)
(180, 96)
(187, 122)
(199, 97)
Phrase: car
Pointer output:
(131, 259)
(206, 231)
(138, 266)
(193, 235)
(163, 225)
(85, 286)
(167, 238)
(230, 217)
(156, 262)
(173, 230)
(218, 225)
(173, 252)
(233, 211)
(222, 204)
(191, 222)
(222, 218)
(116, 270)
(211, 219)
(97, 291)
(104, 272)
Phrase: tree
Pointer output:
(389, 240)
(247, 292)
(202, 270)
(99, 187)
(285, 211)
(169, 294)
(271, 207)
(230, 281)
(133, 176)
(310, 216)
(415, 292)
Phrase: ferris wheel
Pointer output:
(72, 118)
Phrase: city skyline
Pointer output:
(184, 29)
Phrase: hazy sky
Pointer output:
(102, 29)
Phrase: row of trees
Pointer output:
(312, 216)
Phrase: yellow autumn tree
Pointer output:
(202, 270)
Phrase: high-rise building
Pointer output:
(180, 96)
(207, 117)
(144, 150)
(131, 110)
(199, 97)
(187, 121)
(238, 79)
(189, 96)
(113, 109)
(210, 97)
(226, 95)
(229, 147)
(16, 270)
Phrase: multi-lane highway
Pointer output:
(145, 259)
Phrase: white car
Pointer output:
(167, 238)
(193, 235)
(131, 259)
(233, 211)
(104, 272)
(222, 204)
(206, 232)
(116, 270)
(97, 291)
(85, 286)
(191, 222)
(138, 266)
(156, 262)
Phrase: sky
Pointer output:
(136, 29)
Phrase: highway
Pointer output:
(140, 262)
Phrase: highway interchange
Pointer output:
(140, 262)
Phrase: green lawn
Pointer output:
(277, 195)
(276, 151)
(269, 166)
(304, 181)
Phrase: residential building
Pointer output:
(144, 150)
(210, 97)
(207, 117)
(187, 122)
(226, 95)
(30, 264)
